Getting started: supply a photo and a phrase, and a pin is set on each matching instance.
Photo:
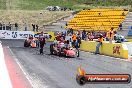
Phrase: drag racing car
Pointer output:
(119, 38)
(63, 51)
(30, 42)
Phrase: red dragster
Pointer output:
(30, 42)
(60, 49)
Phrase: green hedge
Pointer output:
(75, 4)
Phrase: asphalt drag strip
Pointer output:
(49, 71)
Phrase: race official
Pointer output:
(42, 42)
(74, 38)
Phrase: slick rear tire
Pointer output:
(25, 44)
(51, 49)
(59, 53)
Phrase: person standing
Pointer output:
(74, 38)
(33, 26)
(25, 26)
(42, 42)
(16, 26)
(9, 26)
(107, 36)
(37, 27)
(83, 35)
(90, 36)
(0, 26)
(71, 31)
(120, 26)
(100, 40)
(78, 40)
(4, 28)
(63, 35)
(111, 35)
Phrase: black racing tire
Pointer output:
(59, 53)
(51, 49)
(26, 44)
(81, 80)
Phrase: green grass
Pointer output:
(75, 4)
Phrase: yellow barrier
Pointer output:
(111, 49)
(130, 40)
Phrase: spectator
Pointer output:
(25, 27)
(83, 35)
(4, 28)
(66, 24)
(107, 36)
(33, 26)
(0, 26)
(63, 35)
(79, 33)
(70, 9)
(123, 14)
(99, 14)
(100, 40)
(9, 26)
(90, 36)
(71, 31)
(37, 27)
(120, 26)
(111, 35)
(115, 34)
(65, 8)
(16, 26)
(87, 36)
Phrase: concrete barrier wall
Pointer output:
(5, 34)
(4, 76)
(111, 49)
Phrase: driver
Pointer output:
(61, 43)
(67, 44)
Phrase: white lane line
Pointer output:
(5, 81)
(24, 72)
(114, 58)
(121, 59)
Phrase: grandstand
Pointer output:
(98, 19)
